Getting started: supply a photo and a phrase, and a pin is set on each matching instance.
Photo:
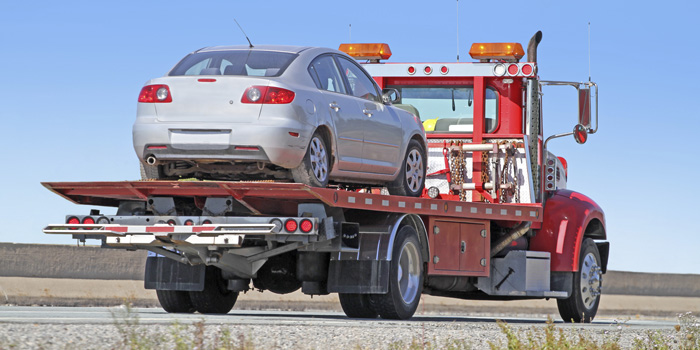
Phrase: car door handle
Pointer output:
(367, 112)
(334, 106)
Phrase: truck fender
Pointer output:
(416, 222)
(569, 217)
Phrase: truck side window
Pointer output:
(359, 83)
(327, 75)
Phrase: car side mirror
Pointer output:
(390, 95)
(580, 133)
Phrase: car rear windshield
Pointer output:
(448, 108)
(234, 62)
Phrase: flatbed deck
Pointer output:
(265, 197)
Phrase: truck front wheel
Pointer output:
(216, 298)
(175, 301)
(582, 305)
(405, 278)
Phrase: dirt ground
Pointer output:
(85, 292)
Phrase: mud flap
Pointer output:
(360, 277)
(167, 274)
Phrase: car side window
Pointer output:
(359, 83)
(327, 75)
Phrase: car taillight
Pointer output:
(267, 95)
(155, 94)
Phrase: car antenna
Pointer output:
(246, 36)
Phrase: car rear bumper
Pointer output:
(283, 145)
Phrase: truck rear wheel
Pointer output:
(357, 305)
(175, 301)
(405, 278)
(216, 298)
(582, 305)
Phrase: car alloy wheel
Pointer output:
(319, 159)
(414, 170)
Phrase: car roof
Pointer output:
(278, 48)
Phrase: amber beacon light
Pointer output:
(367, 51)
(510, 52)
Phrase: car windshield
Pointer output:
(234, 62)
(448, 108)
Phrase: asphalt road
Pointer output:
(108, 315)
(107, 328)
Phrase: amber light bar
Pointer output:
(497, 51)
(368, 51)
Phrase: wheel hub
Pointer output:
(591, 280)
(414, 170)
(409, 272)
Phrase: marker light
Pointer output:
(513, 69)
(511, 52)
(527, 70)
(427, 70)
(306, 225)
(411, 70)
(444, 70)
(290, 225)
(368, 51)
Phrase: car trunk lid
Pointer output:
(205, 98)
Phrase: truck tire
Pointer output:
(216, 298)
(582, 305)
(405, 278)
(175, 301)
(315, 166)
(357, 305)
(411, 178)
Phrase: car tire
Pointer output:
(411, 178)
(582, 305)
(357, 305)
(405, 278)
(315, 166)
(215, 298)
(175, 301)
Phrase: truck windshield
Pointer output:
(448, 109)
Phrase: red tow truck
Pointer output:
(495, 222)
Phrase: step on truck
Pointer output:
(495, 221)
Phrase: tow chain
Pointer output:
(508, 164)
(457, 169)
(485, 170)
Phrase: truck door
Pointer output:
(383, 134)
(345, 113)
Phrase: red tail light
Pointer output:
(306, 225)
(290, 225)
(73, 220)
(155, 94)
(88, 220)
(267, 95)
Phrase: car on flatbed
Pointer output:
(307, 114)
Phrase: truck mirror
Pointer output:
(584, 108)
(390, 95)
(580, 133)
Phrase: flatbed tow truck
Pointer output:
(495, 221)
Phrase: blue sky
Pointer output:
(72, 71)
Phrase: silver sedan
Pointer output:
(307, 114)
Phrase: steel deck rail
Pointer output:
(264, 197)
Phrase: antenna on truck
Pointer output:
(457, 30)
(589, 52)
(246, 36)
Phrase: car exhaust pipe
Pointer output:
(151, 160)
(532, 47)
